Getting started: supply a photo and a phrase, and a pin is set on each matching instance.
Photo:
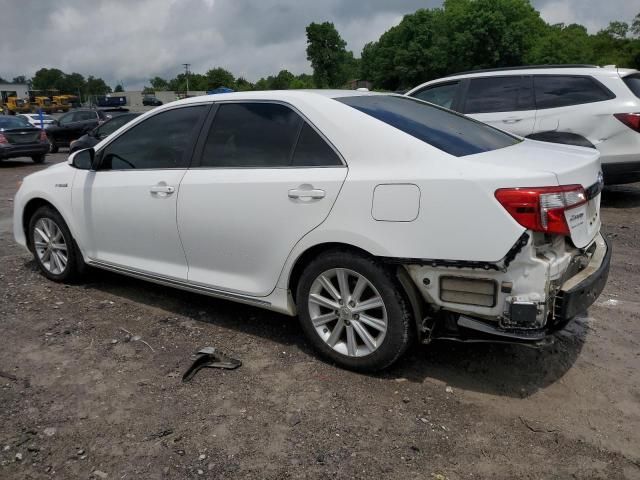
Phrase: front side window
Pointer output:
(112, 125)
(498, 94)
(450, 132)
(553, 91)
(443, 94)
(159, 142)
(263, 135)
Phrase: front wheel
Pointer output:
(53, 246)
(354, 311)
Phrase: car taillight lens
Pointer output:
(43, 136)
(631, 120)
(541, 209)
(3, 139)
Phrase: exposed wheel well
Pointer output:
(29, 209)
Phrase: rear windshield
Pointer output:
(633, 82)
(13, 122)
(447, 131)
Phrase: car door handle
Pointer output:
(512, 120)
(162, 190)
(312, 193)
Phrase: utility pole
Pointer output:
(186, 72)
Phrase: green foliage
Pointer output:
(118, 88)
(159, 84)
(20, 79)
(473, 34)
(326, 50)
(147, 90)
(463, 35)
(242, 84)
(96, 86)
(219, 77)
(617, 29)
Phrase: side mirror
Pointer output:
(83, 159)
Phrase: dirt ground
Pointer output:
(79, 398)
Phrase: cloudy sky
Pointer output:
(130, 41)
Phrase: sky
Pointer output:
(130, 41)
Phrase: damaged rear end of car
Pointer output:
(555, 269)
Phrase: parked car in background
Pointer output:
(73, 125)
(575, 105)
(101, 132)
(34, 119)
(377, 219)
(151, 101)
(18, 138)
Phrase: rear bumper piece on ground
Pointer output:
(620, 173)
(27, 150)
(576, 295)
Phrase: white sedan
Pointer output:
(34, 119)
(377, 219)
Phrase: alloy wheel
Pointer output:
(347, 312)
(50, 246)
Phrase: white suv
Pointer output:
(575, 105)
(378, 219)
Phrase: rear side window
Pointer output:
(263, 135)
(450, 132)
(553, 91)
(443, 94)
(499, 94)
(633, 82)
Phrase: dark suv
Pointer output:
(72, 126)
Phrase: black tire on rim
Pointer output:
(53, 148)
(353, 311)
(38, 158)
(53, 247)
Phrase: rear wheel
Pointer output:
(354, 311)
(53, 246)
(38, 158)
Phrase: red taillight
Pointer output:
(3, 139)
(43, 136)
(631, 120)
(541, 209)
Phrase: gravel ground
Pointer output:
(80, 398)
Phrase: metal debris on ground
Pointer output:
(210, 357)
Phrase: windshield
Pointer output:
(7, 123)
(447, 131)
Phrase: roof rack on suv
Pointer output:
(523, 67)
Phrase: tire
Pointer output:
(388, 327)
(53, 148)
(45, 219)
(38, 158)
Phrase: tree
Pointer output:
(118, 88)
(617, 29)
(635, 26)
(19, 79)
(242, 84)
(462, 35)
(326, 50)
(282, 81)
(96, 86)
(49, 79)
(159, 84)
(219, 77)
(147, 90)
